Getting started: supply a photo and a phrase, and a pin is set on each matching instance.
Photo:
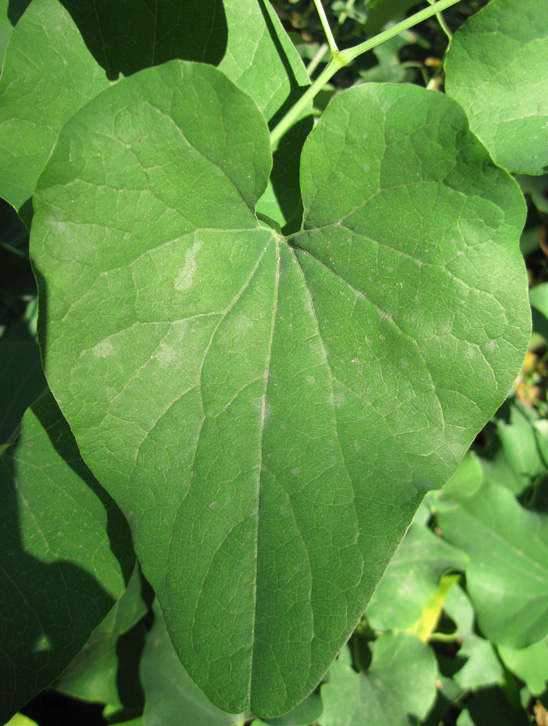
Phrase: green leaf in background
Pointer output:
(490, 706)
(379, 12)
(537, 188)
(461, 611)
(476, 664)
(497, 69)
(172, 697)
(538, 297)
(65, 553)
(482, 667)
(21, 382)
(513, 456)
(398, 688)
(412, 578)
(96, 43)
(20, 720)
(107, 668)
(465, 481)
(307, 712)
(530, 664)
(268, 458)
(507, 578)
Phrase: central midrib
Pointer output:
(259, 474)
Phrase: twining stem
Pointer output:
(443, 24)
(326, 29)
(342, 58)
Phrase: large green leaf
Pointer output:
(398, 688)
(497, 69)
(98, 41)
(268, 412)
(65, 555)
(507, 578)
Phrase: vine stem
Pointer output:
(342, 58)
(326, 28)
(443, 24)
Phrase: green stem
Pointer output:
(342, 58)
(443, 24)
(326, 29)
(295, 111)
(351, 54)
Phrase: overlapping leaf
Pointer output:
(107, 668)
(401, 665)
(497, 69)
(412, 578)
(268, 412)
(98, 42)
(507, 578)
(65, 556)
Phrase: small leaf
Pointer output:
(65, 555)
(497, 69)
(530, 664)
(398, 689)
(508, 548)
(412, 578)
(482, 667)
(20, 720)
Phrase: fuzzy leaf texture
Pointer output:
(269, 412)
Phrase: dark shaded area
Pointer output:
(49, 609)
(48, 413)
(16, 8)
(285, 173)
(21, 383)
(129, 650)
(51, 708)
(128, 35)
(17, 283)
(296, 91)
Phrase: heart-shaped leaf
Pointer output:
(269, 412)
